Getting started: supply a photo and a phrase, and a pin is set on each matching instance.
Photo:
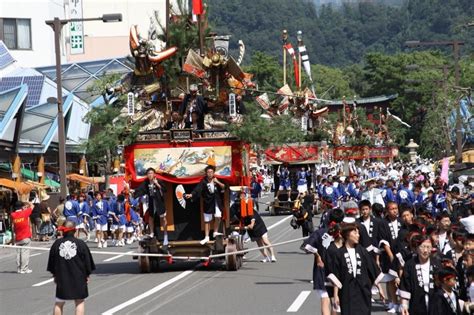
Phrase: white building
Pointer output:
(31, 41)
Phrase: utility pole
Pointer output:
(284, 38)
(457, 79)
(57, 25)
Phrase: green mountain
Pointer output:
(319, 3)
(340, 36)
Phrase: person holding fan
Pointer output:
(211, 190)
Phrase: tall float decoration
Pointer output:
(222, 83)
(347, 138)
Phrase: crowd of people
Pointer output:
(402, 225)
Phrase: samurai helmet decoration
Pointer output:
(218, 70)
(147, 59)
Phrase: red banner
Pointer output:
(184, 163)
(198, 8)
(292, 53)
(293, 153)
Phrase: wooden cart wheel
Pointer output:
(155, 265)
(231, 260)
(144, 264)
(239, 261)
(272, 210)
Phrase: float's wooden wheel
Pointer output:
(231, 260)
(272, 209)
(155, 265)
(239, 261)
(144, 262)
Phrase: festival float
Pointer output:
(180, 128)
(180, 124)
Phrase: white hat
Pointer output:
(193, 87)
(349, 220)
(468, 223)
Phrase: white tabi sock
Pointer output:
(165, 239)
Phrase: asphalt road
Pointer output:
(117, 287)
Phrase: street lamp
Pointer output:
(57, 24)
(456, 46)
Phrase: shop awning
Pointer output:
(30, 175)
(85, 179)
(21, 187)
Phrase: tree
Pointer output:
(265, 132)
(331, 83)
(183, 33)
(110, 130)
(268, 74)
(425, 97)
(343, 35)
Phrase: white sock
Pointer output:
(165, 239)
(205, 240)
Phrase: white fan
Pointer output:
(179, 192)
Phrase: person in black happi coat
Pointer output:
(71, 264)
(211, 190)
(193, 103)
(155, 191)
(320, 242)
(353, 274)
(445, 301)
(393, 226)
(418, 283)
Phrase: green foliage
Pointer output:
(182, 33)
(390, 75)
(265, 132)
(101, 85)
(268, 74)
(319, 134)
(340, 36)
(434, 138)
(331, 83)
(109, 130)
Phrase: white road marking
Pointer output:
(43, 283)
(33, 255)
(148, 293)
(278, 223)
(298, 302)
(168, 282)
(117, 257)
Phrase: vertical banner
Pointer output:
(131, 104)
(232, 105)
(76, 28)
(445, 170)
(198, 8)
